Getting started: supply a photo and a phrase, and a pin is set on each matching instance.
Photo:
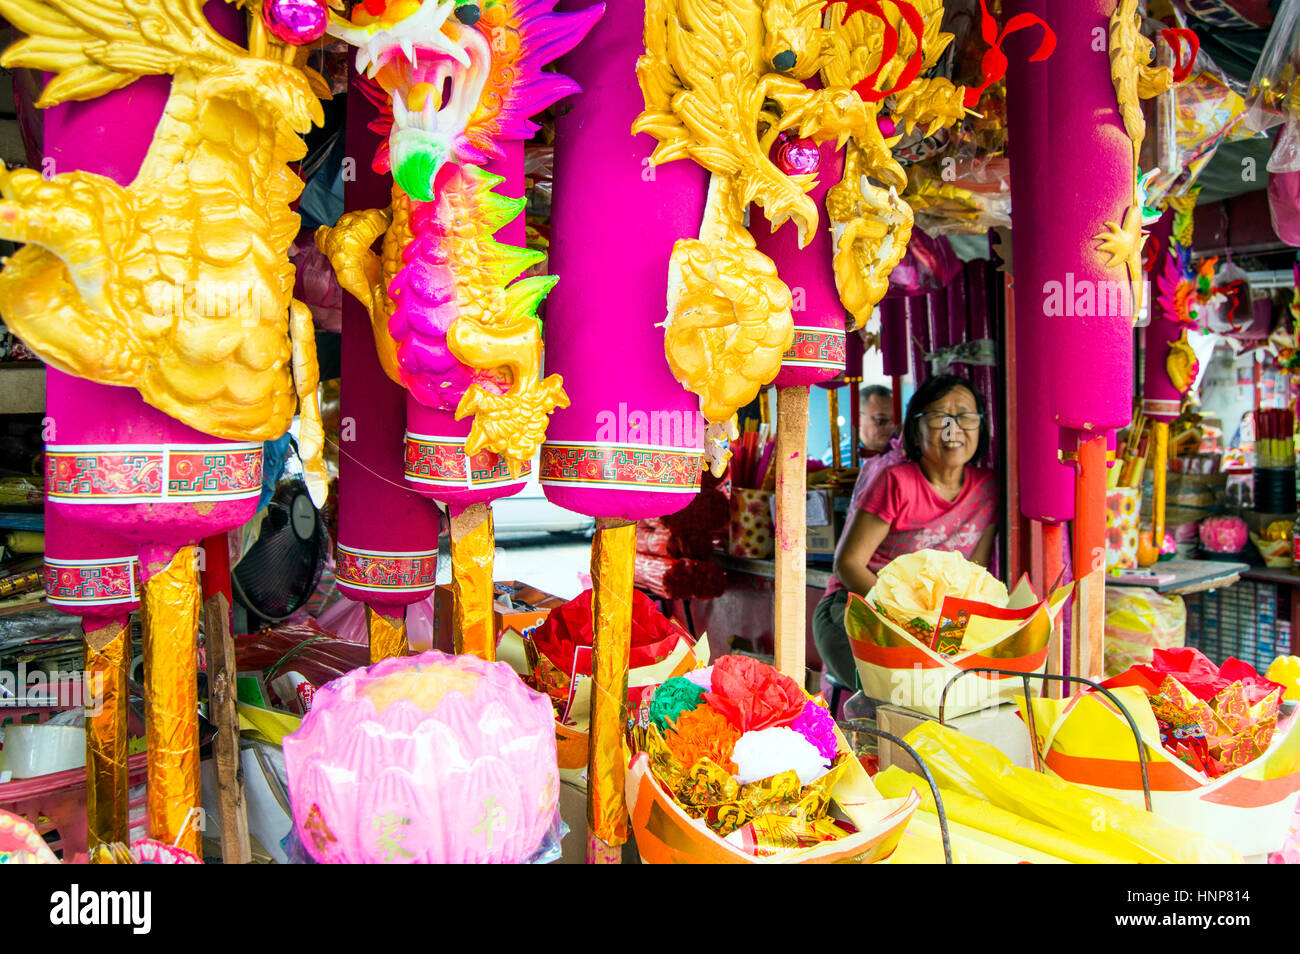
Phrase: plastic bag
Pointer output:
(1138, 622)
(1273, 95)
(978, 769)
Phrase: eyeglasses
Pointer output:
(967, 420)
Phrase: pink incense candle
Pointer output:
(1046, 484)
(894, 338)
(958, 309)
(817, 353)
(387, 550)
(936, 309)
(916, 308)
(435, 463)
(629, 444)
(1161, 399)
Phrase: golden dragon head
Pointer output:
(458, 77)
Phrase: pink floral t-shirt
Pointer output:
(920, 519)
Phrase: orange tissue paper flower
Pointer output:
(703, 733)
(754, 695)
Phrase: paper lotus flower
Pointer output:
(916, 584)
(430, 759)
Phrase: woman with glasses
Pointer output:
(935, 500)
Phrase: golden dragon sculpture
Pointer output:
(179, 284)
(722, 80)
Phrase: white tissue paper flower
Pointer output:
(763, 753)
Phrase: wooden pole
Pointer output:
(613, 557)
(1052, 563)
(791, 532)
(1090, 559)
(236, 848)
(833, 406)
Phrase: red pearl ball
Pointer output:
(796, 157)
(295, 21)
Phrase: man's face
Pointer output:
(877, 424)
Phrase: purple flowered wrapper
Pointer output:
(817, 726)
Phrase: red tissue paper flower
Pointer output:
(654, 636)
(1197, 672)
(754, 695)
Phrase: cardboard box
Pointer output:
(1000, 726)
(823, 525)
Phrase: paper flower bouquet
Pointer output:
(1222, 757)
(933, 614)
(737, 764)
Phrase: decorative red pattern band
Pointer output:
(383, 572)
(104, 582)
(440, 461)
(153, 473)
(816, 348)
(663, 469)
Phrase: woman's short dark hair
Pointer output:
(936, 389)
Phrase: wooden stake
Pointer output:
(236, 848)
(833, 405)
(1052, 563)
(791, 532)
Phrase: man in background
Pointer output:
(876, 424)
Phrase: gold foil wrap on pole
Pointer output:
(472, 546)
(108, 654)
(613, 555)
(387, 635)
(171, 671)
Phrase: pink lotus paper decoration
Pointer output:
(430, 759)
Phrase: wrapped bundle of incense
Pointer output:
(655, 539)
(454, 322)
(1046, 484)
(679, 579)
(630, 444)
(816, 355)
(125, 480)
(387, 548)
(439, 467)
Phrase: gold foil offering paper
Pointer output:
(707, 791)
(472, 547)
(387, 635)
(171, 614)
(613, 555)
(107, 659)
(769, 835)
